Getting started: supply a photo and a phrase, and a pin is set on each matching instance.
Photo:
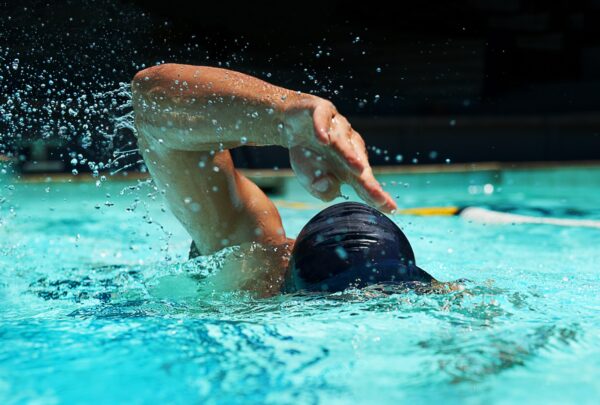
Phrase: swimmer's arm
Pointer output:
(198, 108)
(216, 204)
(205, 108)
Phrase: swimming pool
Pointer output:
(99, 304)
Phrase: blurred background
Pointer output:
(428, 82)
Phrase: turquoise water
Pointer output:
(99, 305)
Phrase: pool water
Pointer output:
(100, 305)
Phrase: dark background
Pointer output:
(432, 81)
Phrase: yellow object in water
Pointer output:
(430, 211)
(419, 211)
(296, 205)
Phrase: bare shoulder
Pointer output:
(255, 268)
(160, 75)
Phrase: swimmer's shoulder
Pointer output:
(255, 268)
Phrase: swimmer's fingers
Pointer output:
(322, 116)
(326, 187)
(313, 175)
(347, 144)
(365, 184)
(369, 189)
(322, 175)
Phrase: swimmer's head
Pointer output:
(350, 245)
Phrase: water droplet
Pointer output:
(341, 253)
(15, 64)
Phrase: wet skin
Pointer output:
(187, 117)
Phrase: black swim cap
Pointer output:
(350, 245)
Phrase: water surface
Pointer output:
(99, 304)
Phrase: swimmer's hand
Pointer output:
(325, 152)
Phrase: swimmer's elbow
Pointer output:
(150, 73)
(147, 79)
(137, 86)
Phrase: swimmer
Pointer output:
(187, 119)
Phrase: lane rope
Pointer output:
(476, 214)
